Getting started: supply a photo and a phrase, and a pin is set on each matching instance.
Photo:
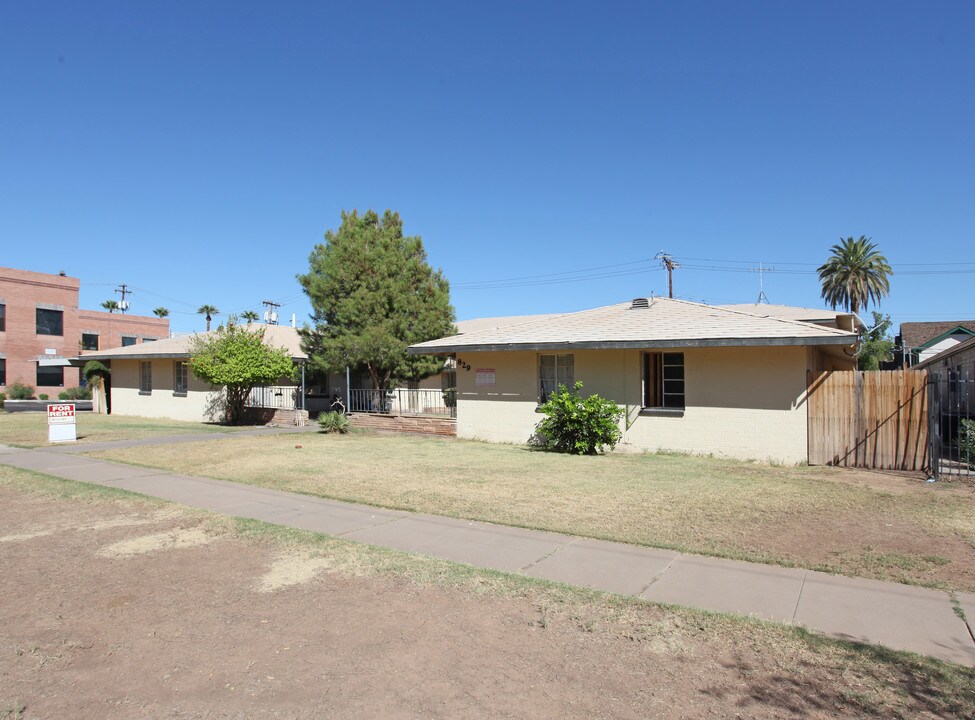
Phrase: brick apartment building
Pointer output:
(41, 326)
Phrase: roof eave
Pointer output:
(633, 344)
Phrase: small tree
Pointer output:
(876, 345)
(237, 358)
(576, 425)
(110, 305)
(161, 312)
(249, 315)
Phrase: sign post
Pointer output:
(61, 425)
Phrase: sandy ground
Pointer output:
(118, 610)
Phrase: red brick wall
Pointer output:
(22, 291)
(112, 327)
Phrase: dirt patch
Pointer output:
(186, 633)
(292, 569)
(175, 539)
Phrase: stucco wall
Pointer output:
(746, 403)
(195, 406)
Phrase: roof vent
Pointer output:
(640, 304)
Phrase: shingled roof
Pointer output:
(282, 336)
(642, 323)
(919, 334)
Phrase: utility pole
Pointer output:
(761, 270)
(271, 311)
(669, 264)
(124, 290)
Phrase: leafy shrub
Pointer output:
(3, 399)
(20, 391)
(576, 425)
(333, 422)
(43, 396)
(75, 393)
(966, 442)
(95, 371)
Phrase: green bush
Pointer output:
(76, 393)
(966, 442)
(95, 371)
(43, 396)
(576, 425)
(3, 399)
(333, 422)
(20, 391)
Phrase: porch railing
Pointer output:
(403, 401)
(284, 397)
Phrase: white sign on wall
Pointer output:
(485, 377)
(61, 424)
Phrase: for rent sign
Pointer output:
(61, 425)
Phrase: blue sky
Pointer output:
(545, 152)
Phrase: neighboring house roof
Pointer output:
(945, 354)
(492, 323)
(787, 312)
(282, 336)
(642, 323)
(916, 335)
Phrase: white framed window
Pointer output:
(180, 378)
(554, 370)
(145, 377)
(663, 380)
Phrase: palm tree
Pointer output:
(249, 315)
(161, 312)
(855, 274)
(209, 311)
(110, 305)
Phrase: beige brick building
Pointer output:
(41, 326)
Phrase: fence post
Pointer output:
(934, 425)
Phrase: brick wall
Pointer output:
(405, 424)
(22, 292)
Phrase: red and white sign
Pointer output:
(61, 423)
(61, 414)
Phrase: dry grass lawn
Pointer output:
(29, 429)
(263, 621)
(853, 523)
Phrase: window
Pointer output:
(3, 318)
(554, 370)
(145, 340)
(3, 372)
(663, 380)
(126, 341)
(50, 376)
(89, 341)
(50, 322)
(145, 377)
(180, 378)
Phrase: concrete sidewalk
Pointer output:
(897, 616)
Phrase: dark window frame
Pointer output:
(181, 372)
(664, 381)
(44, 325)
(562, 370)
(85, 335)
(145, 377)
(3, 317)
(3, 372)
(129, 340)
(57, 369)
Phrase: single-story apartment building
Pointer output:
(691, 377)
(154, 379)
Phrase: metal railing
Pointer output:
(951, 414)
(284, 397)
(403, 401)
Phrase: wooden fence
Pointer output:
(876, 419)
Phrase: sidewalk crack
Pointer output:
(802, 587)
(546, 556)
(657, 576)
